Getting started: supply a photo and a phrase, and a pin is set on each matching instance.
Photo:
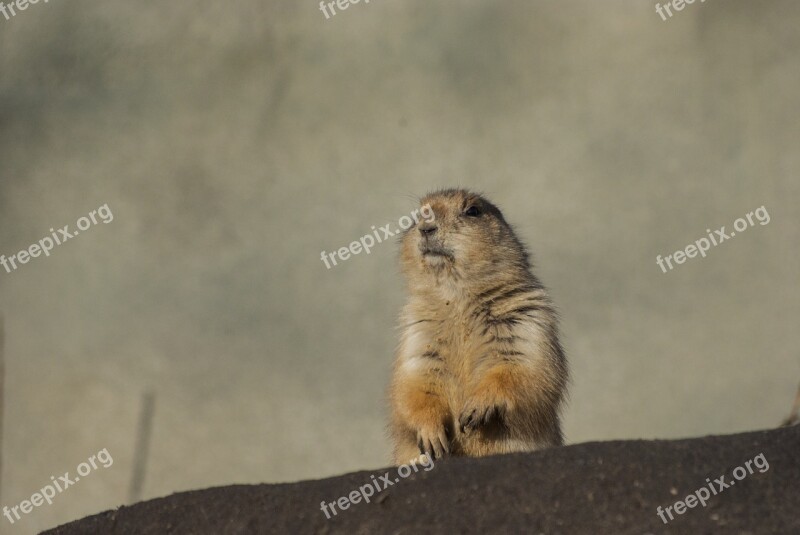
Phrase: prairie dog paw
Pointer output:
(476, 414)
(433, 442)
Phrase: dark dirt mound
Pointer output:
(605, 487)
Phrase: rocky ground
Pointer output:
(602, 487)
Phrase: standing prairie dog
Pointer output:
(479, 369)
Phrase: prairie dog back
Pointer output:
(479, 369)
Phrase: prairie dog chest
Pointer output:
(449, 340)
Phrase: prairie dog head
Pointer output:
(467, 242)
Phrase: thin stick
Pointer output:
(794, 416)
(2, 396)
(143, 434)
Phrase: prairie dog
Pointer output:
(479, 369)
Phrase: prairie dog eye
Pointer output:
(472, 211)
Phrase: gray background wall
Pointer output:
(234, 142)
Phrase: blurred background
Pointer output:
(234, 142)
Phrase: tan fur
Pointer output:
(479, 369)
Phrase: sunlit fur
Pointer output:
(479, 347)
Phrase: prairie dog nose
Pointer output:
(427, 228)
